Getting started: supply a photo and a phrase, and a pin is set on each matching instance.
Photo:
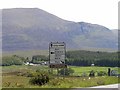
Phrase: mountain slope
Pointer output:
(30, 29)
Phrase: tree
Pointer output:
(12, 60)
(39, 58)
(86, 58)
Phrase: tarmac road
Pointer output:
(103, 87)
(108, 86)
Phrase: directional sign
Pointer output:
(57, 52)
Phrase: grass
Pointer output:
(73, 82)
(20, 68)
(80, 70)
(67, 82)
(26, 53)
(10, 79)
(15, 81)
(77, 69)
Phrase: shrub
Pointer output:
(19, 85)
(84, 74)
(55, 82)
(101, 73)
(101, 82)
(39, 79)
(66, 71)
(7, 84)
(92, 74)
(38, 59)
(11, 60)
(30, 74)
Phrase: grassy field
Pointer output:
(27, 53)
(67, 82)
(11, 79)
(77, 69)
(80, 70)
(20, 68)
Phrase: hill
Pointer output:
(34, 29)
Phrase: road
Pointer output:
(108, 86)
(103, 87)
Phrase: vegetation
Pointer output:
(66, 71)
(37, 59)
(101, 73)
(19, 76)
(79, 73)
(74, 82)
(86, 58)
(74, 58)
(92, 74)
(13, 60)
(39, 78)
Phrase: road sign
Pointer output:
(57, 53)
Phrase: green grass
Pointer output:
(79, 70)
(20, 68)
(15, 81)
(10, 79)
(67, 82)
(26, 53)
(73, 82)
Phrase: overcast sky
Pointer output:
(103, 12)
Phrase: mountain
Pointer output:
(34, 29)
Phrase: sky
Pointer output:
(102, 12)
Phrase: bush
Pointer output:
(39, 79)
(38, 59)
(12, 60)
(66, 71)
(92, 74)
(84, 74)
(102, 73)
(101, 82)
(30, 74)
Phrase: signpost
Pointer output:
(57, 51)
